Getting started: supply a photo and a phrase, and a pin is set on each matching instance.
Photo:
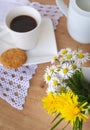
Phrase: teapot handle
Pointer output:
(62, 6)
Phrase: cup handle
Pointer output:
(63, 7)
(3, 30)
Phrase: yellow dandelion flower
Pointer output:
(49, 103)
(71, 107)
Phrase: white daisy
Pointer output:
(70, 56)
(66, 71)
(47, 78)
(50, 70)
(54, 84)
(52, 89)
(64, 51)
(81, 57)
(55, 81)
(55, 89)
(63, 87)
(54, 59)
(75, 67)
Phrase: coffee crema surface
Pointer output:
(23, 23)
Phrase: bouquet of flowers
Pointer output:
(68, 92)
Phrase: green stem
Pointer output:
(77, 125)
(56, 117)
(66, 125)
(57, 123)
(80, 125)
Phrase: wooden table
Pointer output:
(33, 116)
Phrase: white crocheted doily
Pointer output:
(14, 83)
(51, 11)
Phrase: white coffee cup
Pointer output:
(78, 19)
(23, 40)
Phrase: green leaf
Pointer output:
(79, 85)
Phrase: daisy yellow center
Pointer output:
(51, 70)
(65, 70)
(74, 66)
(69, 56)
(48, 77)
(64, 51)
(54, 58)
(80, 55)
(55, 82)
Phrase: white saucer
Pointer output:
(45, 49)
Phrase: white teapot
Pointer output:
(78, 19)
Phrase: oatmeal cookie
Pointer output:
(13, 58)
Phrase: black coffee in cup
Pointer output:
(23, 23)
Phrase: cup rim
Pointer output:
(18, 7)
(79, 10)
